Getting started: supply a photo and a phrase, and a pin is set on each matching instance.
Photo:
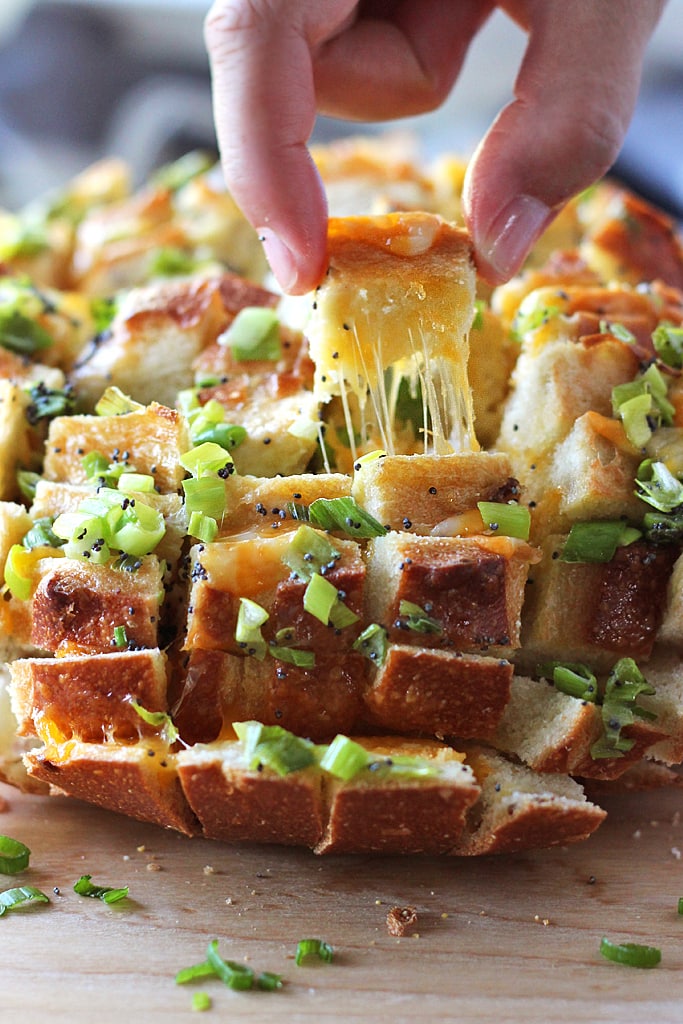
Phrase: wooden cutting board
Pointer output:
(504, 940)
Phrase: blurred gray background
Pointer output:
(84, 78)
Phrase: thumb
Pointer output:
(575, 96)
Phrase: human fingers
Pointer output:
(264, 109)
(574, 98)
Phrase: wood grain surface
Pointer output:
(501, 940)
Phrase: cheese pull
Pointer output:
(390, 319)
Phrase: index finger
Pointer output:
(264, 108)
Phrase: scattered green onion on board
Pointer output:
(106, 893)
(308, 949)
(21, 896)
(630, 953)
(14, 856)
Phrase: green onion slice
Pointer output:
(344, 758)
(308, 949)
(178, 173)
(41, 535)
(21, 896)
(573, 678)
(17, 582)
(27, 482)
(310, 552)
(120, 636)
(373, 643)
(630, 953)
(320, 597)
(158, 720)
(668, 344)
(201, 1001)
(254, 334)
(193, 973)
(658, 486)
(274, 747)
(269, 982)
(618, 331)
(14, 856)
(418, 619)
(680, 904)
(619, 708)
(235, 976)
(205, 495)
(203, 527)
(21, 334)
(250, 617)
(507, 520)
(345, 515)
(106, 893)
(292, 655)
(597, 541)
(46, 403)
(115, 403)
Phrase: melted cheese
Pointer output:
(396, 304)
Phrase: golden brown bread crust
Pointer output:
(138, 781)
(423, 691)
(90, 697)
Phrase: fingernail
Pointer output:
(512, 233)
(280, 258)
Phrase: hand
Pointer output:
(276, 62)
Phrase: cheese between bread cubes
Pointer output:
(396, 305)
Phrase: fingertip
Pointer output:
(297, 271)
(502, 244)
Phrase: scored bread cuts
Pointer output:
(394, 568)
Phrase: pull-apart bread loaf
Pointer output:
(392, 568)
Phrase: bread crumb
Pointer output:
(675, 852)
(141, 849)
(208, 870)
(637, 834)
(545, 921)
(153, 866)
(401, 920)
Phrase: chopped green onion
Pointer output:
(680, 904)
(418, 619)
(292, 655)
(624, 685)
(373, 643)
(344, 758)
(227, 435)
(21, 239)
(120, 637)
(21, 896)
(661, 528)
(235, 976)
(158, 720)
(203, 527)
(171, 261)
(203, 970)
(274, 747)
(103, 311)
(630, 953)
(201, 1001)
(402, 765)
(636, 415)
(205, 495)
(618, 331)
(254, 334)
(137, 483)
(346, 515)
(175, 175)
(320, 597)
(309, 948)
(21, 334)
(507, 520)
(269, 982)
(658, 486)
(207, 459)
(250, 617)
(597, 541)
(310, 552)
(14, 856)
(668, 344)
(95, 464)
(106, 893)
(27, 482)
(46, 403)
(573, 678)
(372, 456)
(524, 322)
(41, 535)
(17, 582)
(478, 318)
(115, 403)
